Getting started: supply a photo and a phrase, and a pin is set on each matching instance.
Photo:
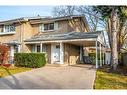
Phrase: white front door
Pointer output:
(55, 53)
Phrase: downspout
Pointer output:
(20, 33)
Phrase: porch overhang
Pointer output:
(79, 42)
(13, 43)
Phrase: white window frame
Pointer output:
(41, 27)
(48, 27)
(4, 32)
(44, 48)
(9, 28)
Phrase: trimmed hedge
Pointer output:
(31, 60)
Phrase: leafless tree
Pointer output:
(94, 19)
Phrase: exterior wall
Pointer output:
(11, 37)
(64, 26)
(1, 28)
(27, 48)
(35, 29)
(29, 31)
(26, 30)
(23, 31)
(71, 54)
(76, 25)
(48, 53)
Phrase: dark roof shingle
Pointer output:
(63, 36)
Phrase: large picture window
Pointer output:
(36, 48)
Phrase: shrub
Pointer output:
(32, 60)
(3, 54)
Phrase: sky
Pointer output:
(10, 12)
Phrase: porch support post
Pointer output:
(35, 47)
(11, 54)
(41, 47)
(81, 53)
(61, 53)
(103, 55)
(96, 55)
(100, 56)
(19, 48)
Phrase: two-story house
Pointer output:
(61, 38)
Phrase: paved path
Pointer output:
(49, 77)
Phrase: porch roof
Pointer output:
(13, 43)
(64, 37)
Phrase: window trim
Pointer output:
(7, 33)
(41, 27)
(48, 25)
(44, 48)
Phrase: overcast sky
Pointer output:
(10, 12)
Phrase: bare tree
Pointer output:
(64, 11)
(94, 19)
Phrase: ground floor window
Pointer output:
(37, 48)
(44, 48)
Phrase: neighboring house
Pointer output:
(60, 38)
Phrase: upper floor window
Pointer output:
(9, 28)
(49, 26)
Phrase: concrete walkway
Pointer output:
(50, 77)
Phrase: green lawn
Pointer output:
(105, 80)
(9, 71)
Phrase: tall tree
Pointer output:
(113, 15)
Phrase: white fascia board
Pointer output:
(92, 39)
(99, 40)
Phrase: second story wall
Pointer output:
(12, 35)
(59, 26)
(75, 24)
(28, 31)
(22, 32)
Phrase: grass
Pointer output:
(110, 80)
(13, 70)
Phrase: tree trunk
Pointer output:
(114, 39)
(109, 35)
(121, 41)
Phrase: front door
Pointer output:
(56, 53)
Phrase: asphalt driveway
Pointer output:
(51, 77)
